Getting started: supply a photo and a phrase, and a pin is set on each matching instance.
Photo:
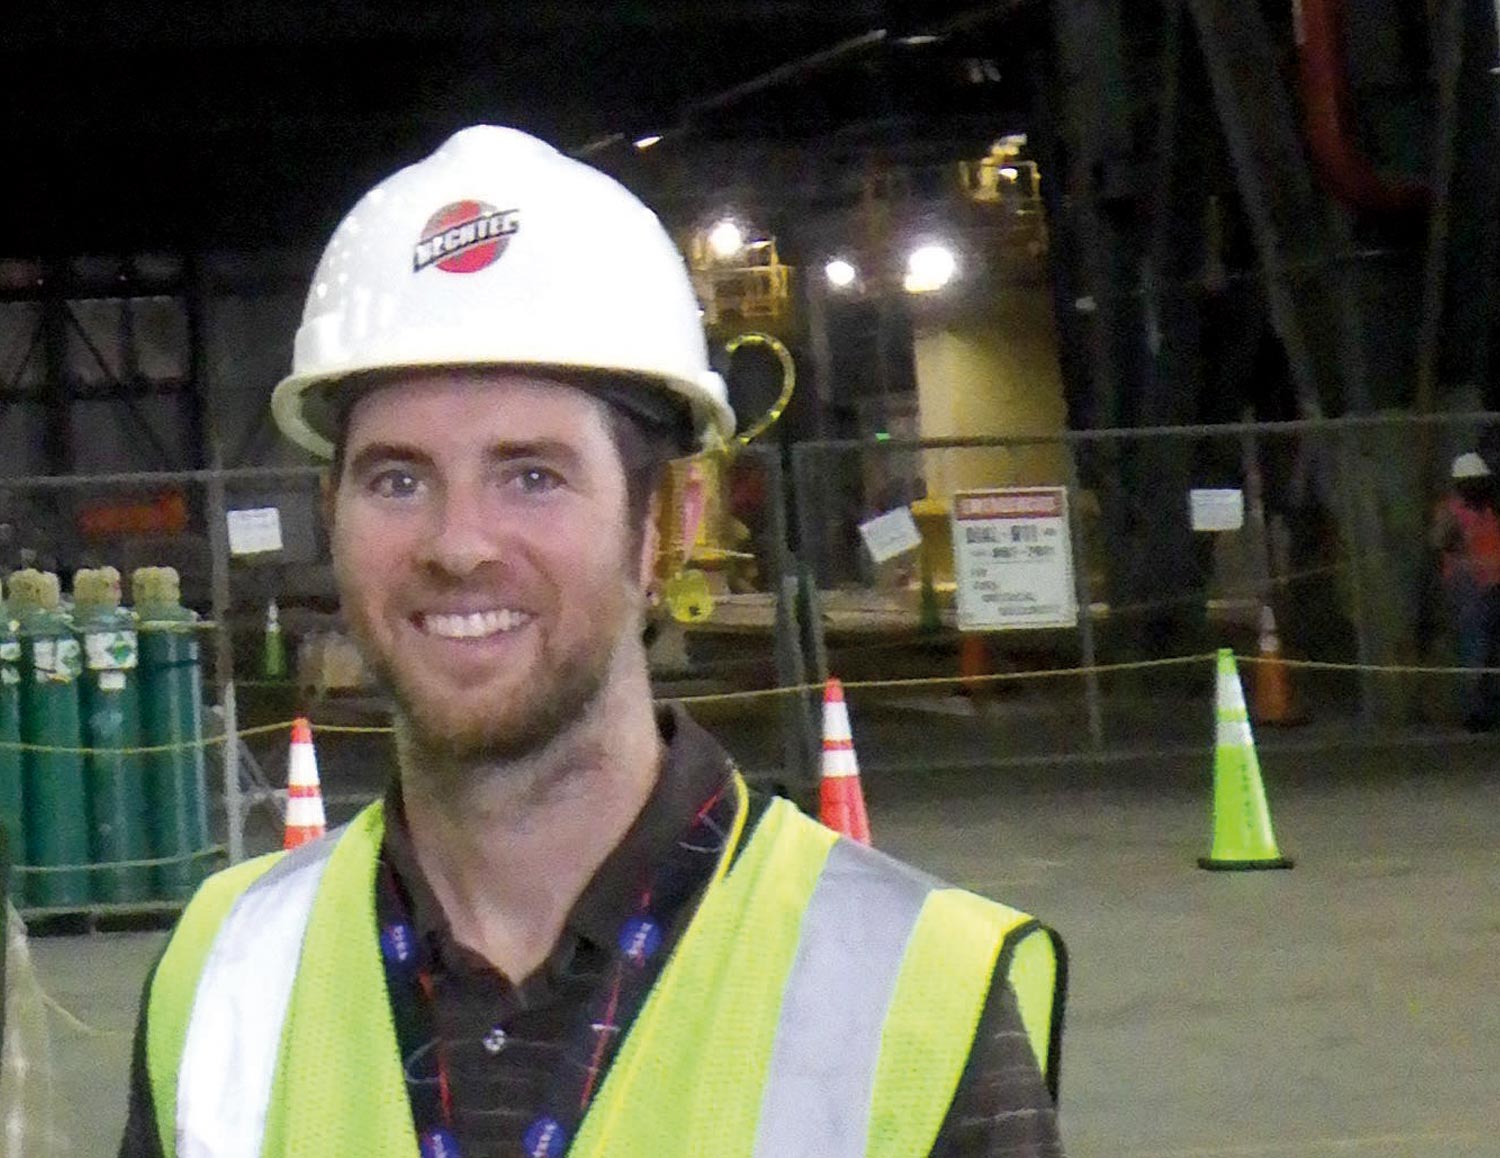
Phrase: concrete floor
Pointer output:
(1343, 1008)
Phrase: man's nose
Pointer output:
(464, 534)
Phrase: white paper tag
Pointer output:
(254, 531)
(110, 650)
(891, 534)
(111, 681)
(1217, 510)
(57, 660)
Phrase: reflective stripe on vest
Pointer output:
(234, 1035)
(817, 1096)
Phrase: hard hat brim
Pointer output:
(309, 408)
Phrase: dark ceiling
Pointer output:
(181, 124)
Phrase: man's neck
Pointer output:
(508, 848)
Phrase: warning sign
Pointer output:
(1013, 558)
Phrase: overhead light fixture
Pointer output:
(929, 268)
(726, 239)
(1010, 172)
(840, 273)
(918, 40)
(646, 142)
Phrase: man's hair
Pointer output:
(644, 444)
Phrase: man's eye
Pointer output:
(536, 480)
(395, 484)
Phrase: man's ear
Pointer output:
(650, 542)
(689, 497)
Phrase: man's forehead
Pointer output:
(518, 400)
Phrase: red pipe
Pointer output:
(1325, 104)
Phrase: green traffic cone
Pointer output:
(1242, 835)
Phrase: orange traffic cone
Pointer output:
(1272, 687)
(304, 796)
(841, 800)
(973, 664)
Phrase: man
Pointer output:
(569, 927)
(1466, 534)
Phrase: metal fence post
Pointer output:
(791, 671)
(812, 622)
(1349, 483)
(233, 805)
(806, 563)
(1260, 538)
(218, 540)
(1083, 591)
(799, 735)
(809, 541)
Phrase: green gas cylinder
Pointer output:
(56, 818)
(110, 697)
(172, 714)
(10, 738)
(273, 658)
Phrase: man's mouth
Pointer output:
(471, 625)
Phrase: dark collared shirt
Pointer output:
(503, 1039)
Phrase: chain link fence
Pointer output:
(1180, 541)
(1311, 540)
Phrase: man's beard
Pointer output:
(538, 711)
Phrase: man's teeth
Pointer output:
(473, 626)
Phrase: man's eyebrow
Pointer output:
(545, 449)
(383, 452)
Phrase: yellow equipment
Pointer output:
(685, 588)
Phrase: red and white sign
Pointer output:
(1013, 559)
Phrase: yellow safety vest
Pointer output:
(822, 1001)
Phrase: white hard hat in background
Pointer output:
(1470, 465)
(497, 250)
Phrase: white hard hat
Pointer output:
(497, 250)
(1470, 465)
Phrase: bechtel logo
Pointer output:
(464, 237)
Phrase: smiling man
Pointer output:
(569, 927)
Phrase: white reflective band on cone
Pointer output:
(839, 762)
(1231, 695)
(303, 767)
(234, 1033)
(836, 721)
(305, 812)
(1233, 731)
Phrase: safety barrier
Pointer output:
(1239, 817)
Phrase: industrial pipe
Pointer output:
(1346, 172)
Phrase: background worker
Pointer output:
(1466, 535)
(569, 926)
